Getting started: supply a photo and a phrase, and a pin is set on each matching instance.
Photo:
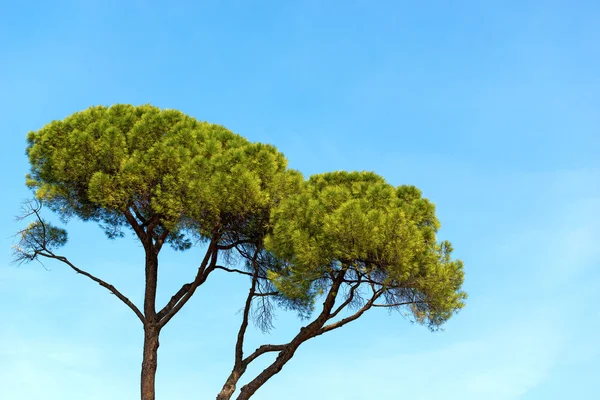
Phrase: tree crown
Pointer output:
(357, 224)
(166, 167)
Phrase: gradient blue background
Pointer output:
(490, 107)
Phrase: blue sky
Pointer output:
(490, 107)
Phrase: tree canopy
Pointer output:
(185, 175)
(345, 237)
(357, 223)
(353, 238)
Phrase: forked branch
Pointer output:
(184, 294)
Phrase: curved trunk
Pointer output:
(286, 354)
(149, 362)
(249, 389)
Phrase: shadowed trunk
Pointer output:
(151, 325)
(149, 362)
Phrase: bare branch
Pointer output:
(240, 364)
(348, 299)
(185, 293)
(398, 304)
(265, 348)
(174, 299)
(266, 294)
(287, 351)
(239, 271)
(29, 207)
(234, 270)
(239, 345)
(262, 313)
(353, 317)
(35, 242)
(232, 245)
(161, 239)
(99, 281)
(137, 228)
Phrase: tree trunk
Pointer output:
(305, 334)
(151, 325)
(230, 385)
(249, 389)
(149, 362)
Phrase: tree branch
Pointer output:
(347, 301)
(139, 216)
(161, 239)
(185, 293)
(40, 245)
(398, 304)
(137, 228)
(234, 270)
(174, 299)
(240, 364)
(99, 281)
(287, 351)
(239, 345)
(232, 245)
(266, 294)
(353, 317)
(265, 348)
(239, 271)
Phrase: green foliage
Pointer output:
(357, 223)
(188, 175)
(171, 179)
(185, 176)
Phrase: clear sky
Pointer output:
(490, 107)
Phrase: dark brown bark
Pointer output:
(151, 283)
(111, 288)
(152, 237)
(314, 329)
(289, 349)
(187, 291)
(151, 327)
(239, 366)
(154, 321)
(149, 362)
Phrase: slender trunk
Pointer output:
(149, 362)
(230, 385)
(151, 327)
(307, 332)
(249, 389)
(239, 366)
